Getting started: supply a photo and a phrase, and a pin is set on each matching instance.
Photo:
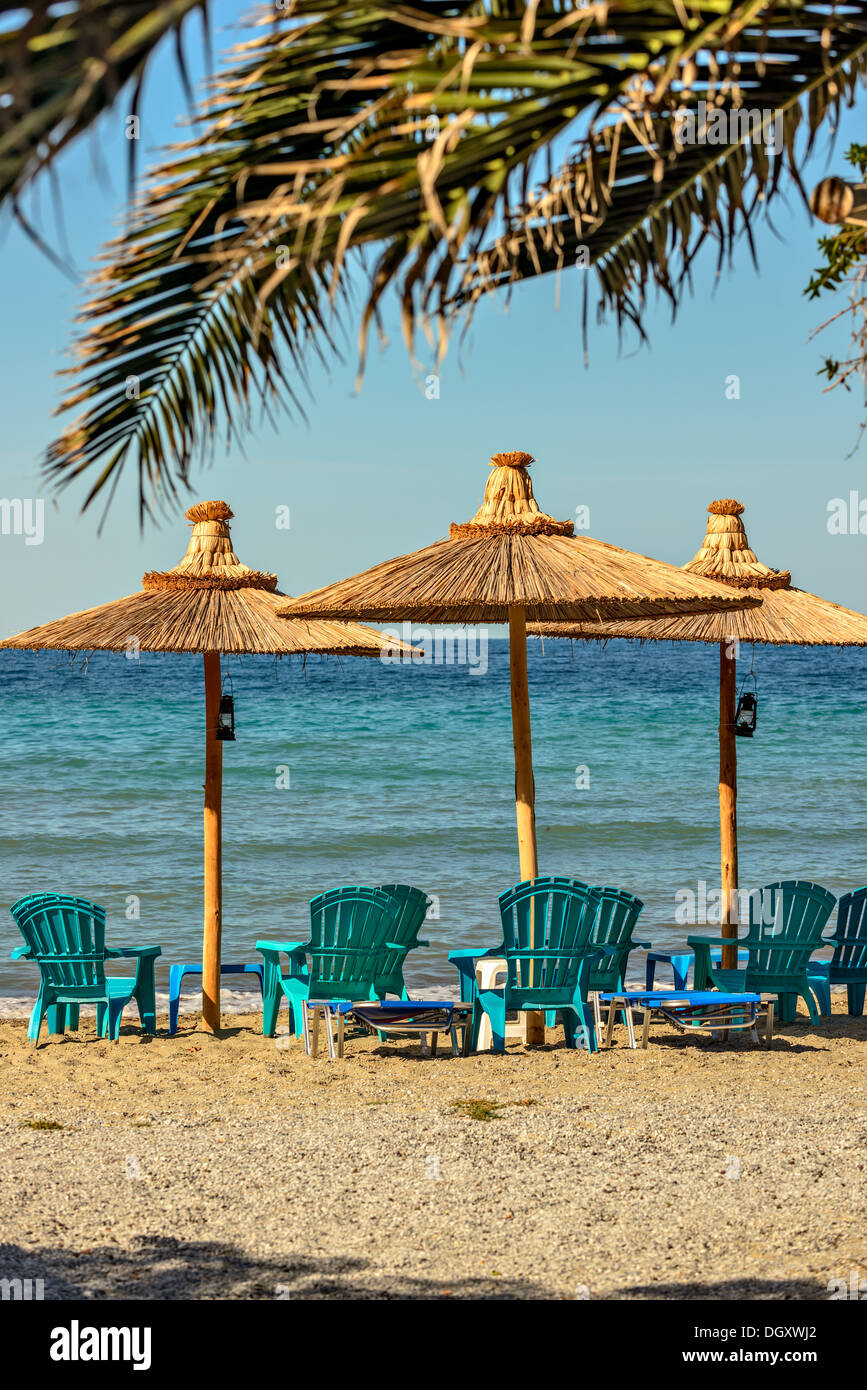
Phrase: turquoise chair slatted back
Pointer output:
(350, 929)
(850, 934)
(413, 905)
(547, 928)
(66, 937)
(616, 918)
(791, 912)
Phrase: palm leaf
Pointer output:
(317, 145)
(61, 67)
(598, 202)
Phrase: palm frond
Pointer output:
(596, 209)
(203, 299)
(421, 131)
(62, 66)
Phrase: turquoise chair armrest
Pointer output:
(465, 964)
(21, 953)
(716, 941)
(643, 945)
(114, 953)
(783, 943)
(747, 943)
(701, 947)
(295, 950)
(422, 943)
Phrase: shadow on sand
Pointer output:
(162, 1268)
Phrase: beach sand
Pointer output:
(201, 1167)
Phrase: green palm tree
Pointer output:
(438, 150)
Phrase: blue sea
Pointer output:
(353, 771)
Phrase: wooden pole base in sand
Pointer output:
(525, 791)
(213, 848)
(728, 798)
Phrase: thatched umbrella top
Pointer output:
(512, 553)
(786, 615)
(210, 561)
(210, 602)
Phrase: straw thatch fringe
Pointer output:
(171, 579)
(541, 525)
(776, 579)
(200, 620)
(478, 579)
(786, 617)
(209, 511)
(513, 458)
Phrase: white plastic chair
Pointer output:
(492, 973)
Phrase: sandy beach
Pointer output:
(202, 1167)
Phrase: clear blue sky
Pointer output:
(646, 439)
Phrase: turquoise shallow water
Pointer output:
(406, 773)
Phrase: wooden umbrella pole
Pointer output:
(213, 848)
(728, 798)
(525, 790)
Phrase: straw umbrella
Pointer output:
(786, 616)
(211, 604)
(510, 563)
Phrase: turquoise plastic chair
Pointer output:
(352, 950)
(615, 921)
(547, 926)
(848, 964)
(414, 905)
(60, 1016)
(786, 924)
(65, 937)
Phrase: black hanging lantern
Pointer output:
(748, 703)
(746, 713)
(745, 716)
(226, 715)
